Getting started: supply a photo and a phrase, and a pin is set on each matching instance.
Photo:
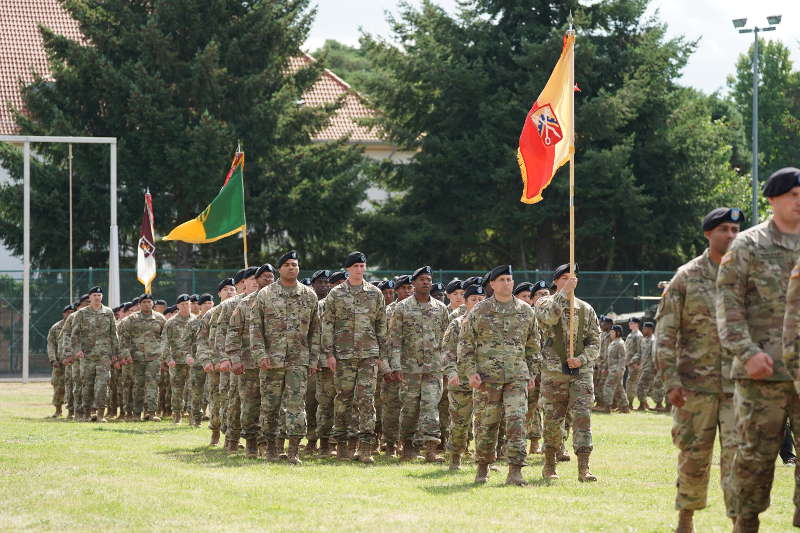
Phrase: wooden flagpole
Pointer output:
(572, 197)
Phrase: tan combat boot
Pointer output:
(93, 415)
(583, 468)
(549, 468)
(643, 405)
(563, 456)
(515, 476)
(176, 418)
(214, 437)
(294, 450)
(365, 453)
(272, 452)
(227, 445)
(746, 524)
(482, 475)
(606, 410)
(431, 448)
(391, 450)
(311, 447)
(455, 462)
(352, 447)
(342, 453)
(279, 445)
(536, 448)
(101, 416)
(57, 413)
(251, 448)
(70, 414)
(409, 452)
(324, 448)
(796, 518)
(685, 524)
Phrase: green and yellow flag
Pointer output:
(225, 214)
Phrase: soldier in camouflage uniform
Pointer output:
(284, 339)
(321, 287)
(633, 350)
(93, 340)
(354, 338)
(56, 360)
(73, 375)
(695, 370)
(601, 365)
(534, 422)
(415, 347)
(126, 367)
(648, 385)
(390, 385)
(458, 389)
(567, 382)
(197, 375)
(140, 338)
(499, 352)
(751, 301)
(615, 368)
(176, 352)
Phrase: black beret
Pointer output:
(71, 307)
(83, 298)
(606, 319)
(338, 276)
(385, 284)
(96, 290)
(306, 281)
(618, 329)
(781, 181)
(649, 325)
(249, 272)
(473, 280)
(145, 296)
(420, 271)
(127, 306)
(635, 319)
(353, 258)
(454, 285)
(437, 287)
(540, 286)
(320, 274)
(115, 309)
(161, 302)
(485, 279)
(239, 276)
(136, 301)
(405, 279)
(285, 257)
(474, 289)
(224, 283)
(496, 272)
(720, 215)
(523, 287)
(183, 298)
(563, 269)
(264, 268)
(170, 309)
(205, 297)
(194, 298)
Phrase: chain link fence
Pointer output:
(51, 290)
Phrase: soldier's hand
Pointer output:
(397, 376)
(225, 366)
(387, 377)
(171, 364)
(531, 383)
(677, 396)
(129, 361)
(570, 284)
(312, 370)
(574, 362)
(454, 381)
(208, 368)
(80, 355)
(263, 364)
(475, 381)
(759, 366)
(216, 367)
(164, 366)
(68, 360)
(190, 360)
(237, 368)
(332, 363)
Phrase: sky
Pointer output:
(710, 20)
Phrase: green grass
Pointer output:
(59, 475)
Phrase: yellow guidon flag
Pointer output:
(223, 217)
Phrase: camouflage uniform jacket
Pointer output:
(95, 333)
(237, 342)
(415, 336)
(751, 296)
(64, 337)
(450, 355)
(284, 327)
(177, 339)
(354, 323)
(633, 347)
(499, 342)
(615, 358)
(461, 310)
(205, 340)
(140, 336)
(53, 353)
(219, 331)
(554, 324)
(605, 340)
(195, 324)
(688, 350)
(791, 327)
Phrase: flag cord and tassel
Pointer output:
(571, 32)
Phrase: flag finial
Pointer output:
(569, 19)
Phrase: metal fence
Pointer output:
(618, 292)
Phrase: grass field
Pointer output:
(59, 475)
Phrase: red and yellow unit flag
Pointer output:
(547, 138)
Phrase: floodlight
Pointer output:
(774, 19)
(739, 23)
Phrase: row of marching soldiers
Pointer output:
(284, 361)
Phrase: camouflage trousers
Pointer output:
(250, 399)
(198, 378)
(113, 389)
(213, 378)
(563, 394)
(390, 423)
(600, 375)
(283, 402)
(68, 387)
(164, 390)
(378, 406)
(325, 393)
(419, 409)
(444, 412)
(694, 427)
(234, 411)
(634, 375)
(496, 403)
(95, 373)
(57, 381)
(613, 388)
(77, 387)
(126, 377)
(311, 407)
(354, 404)
(761, 409)
(649, 385)
(461, 406)
(178, 375)
(533, 422)
(224, 389)
(145, 386)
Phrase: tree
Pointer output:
(180, 83)
(651, 159)
(348, 62)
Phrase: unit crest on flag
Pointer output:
(547, 125)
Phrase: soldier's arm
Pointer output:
(222, 333)
(328, 321)
(201, 340)
(533, 347)
(75, 335)
(632, 349)
(167, 343)
(52, 345)
(734, 332)
(791, 327)
(450, 350)
(114, 337)
(313, 336)
(257, 344)
(233, 337)
(396, 341)
(467, 355)
(668, 322)
(382, 328)
(591, 339)
(550, 308)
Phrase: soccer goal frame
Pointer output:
(113, 243)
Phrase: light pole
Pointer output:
(739, 24)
